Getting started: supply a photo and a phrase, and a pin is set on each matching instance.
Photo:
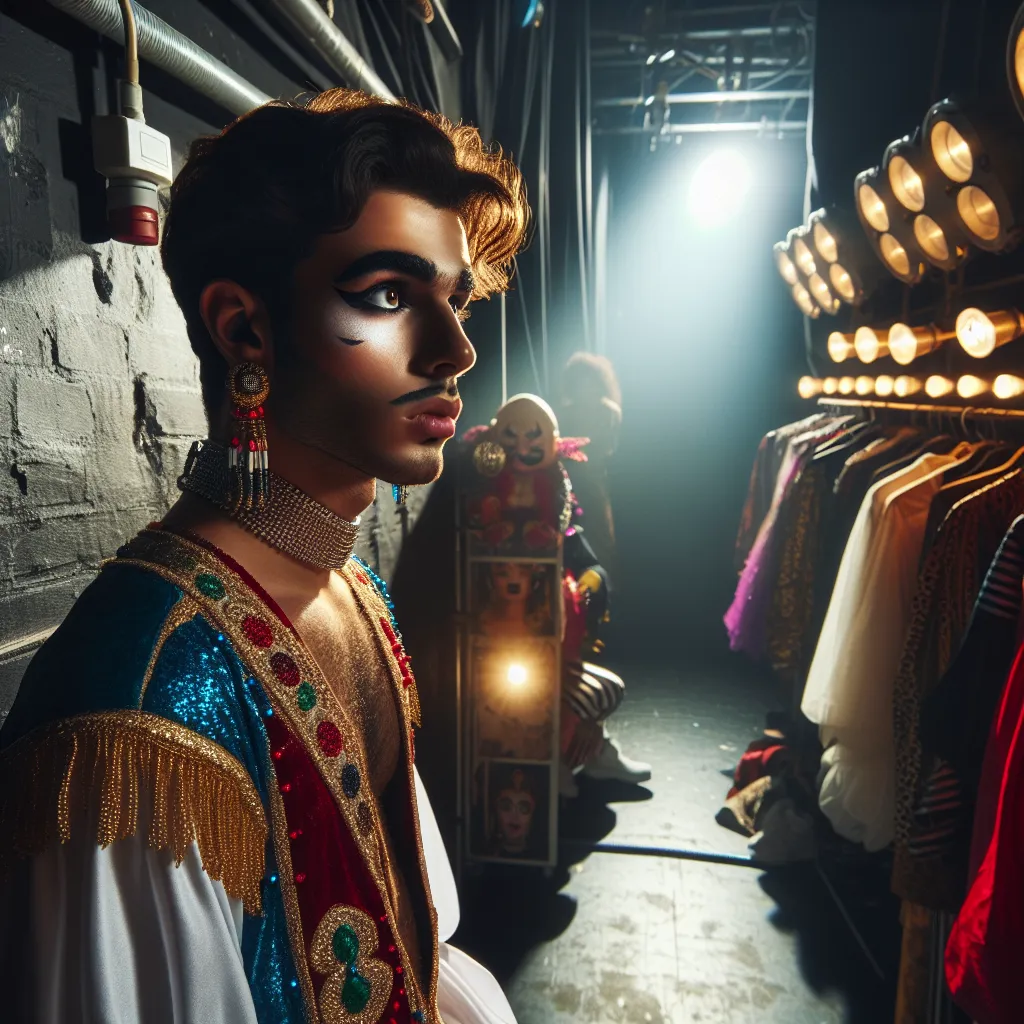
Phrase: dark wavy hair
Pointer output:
(250, 202)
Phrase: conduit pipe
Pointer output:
(316, 30)
(169, 50)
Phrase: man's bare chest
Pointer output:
(344, 645)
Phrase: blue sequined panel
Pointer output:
(200, 682)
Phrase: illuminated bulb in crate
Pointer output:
(884, 386)
(830, 385)
(1006, 385)
(840, 346)
(868, 345)
(846, 385)
(981, 333)
(864, 386)
(808, 387)
(516, 675)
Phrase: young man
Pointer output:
(209, 806)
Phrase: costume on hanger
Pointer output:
(187, 821)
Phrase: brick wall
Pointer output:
(99, 396)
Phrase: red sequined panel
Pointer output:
(329, 737)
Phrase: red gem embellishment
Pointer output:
(300, 878)
(391, 949)
(295, 834)
(286, 787)
(284, 667)
(398, 970)
(257, 631)
(329, 737)
(362, 578)
(278, 754)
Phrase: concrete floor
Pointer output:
(633, 939)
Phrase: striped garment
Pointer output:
(594, 693)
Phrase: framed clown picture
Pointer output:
(516, 822)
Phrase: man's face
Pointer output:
(375, 343)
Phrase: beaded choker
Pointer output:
(289, 520)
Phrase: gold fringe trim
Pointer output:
(123, 761)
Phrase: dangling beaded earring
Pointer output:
(248, 464)
(400, 492)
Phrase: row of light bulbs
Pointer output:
(1004, 387)
(957, 182)
(979, 334)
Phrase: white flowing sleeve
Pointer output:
(467, 993)
(96, 936)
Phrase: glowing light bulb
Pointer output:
(825, 243)
(979, 213)
(840, 347)
(822, 295)
(931, 238)
(785, 265)
(516, 675)
(719, 187)
(802, 297)
(895, 255)
(1006, 385)
(872, 207)
(842, 282)
(867, 344)
(808, 387)
(846, 385)
(982, 333)
(906, 343)
(906, 183)
(803, 256)
(937, 386)
(969, 386)
(830, 385)
(884, 386)
(905, 386)
(864, 385)
(951, 152)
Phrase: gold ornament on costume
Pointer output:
(489, 458)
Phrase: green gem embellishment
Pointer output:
(345, 944)
(306, 697)
(356, 993)
(210, 586)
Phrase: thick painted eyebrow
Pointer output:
(402, 262)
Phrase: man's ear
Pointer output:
(238, 323)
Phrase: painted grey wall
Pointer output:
(99, 396)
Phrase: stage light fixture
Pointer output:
(937, 386)
(904, 386)
(908, 172)
(823, 294)
(840, 346)
(890, 234)
(808, 387)
(1015, 60)
(864, 386)
(884, 386)
(802, 297)
(906, 343)
(981, 333)
(969, 386)
(846, 385)
(1006, 385)
(981, 149)
(830, 385)
(784, 263)
(868, 345)
(516, 675)
(844, 257)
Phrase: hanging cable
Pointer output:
(581, 243)
(131, 43)
(588, 169)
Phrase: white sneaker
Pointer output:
(610, 763)
(567, 786)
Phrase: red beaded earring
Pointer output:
(248, 463)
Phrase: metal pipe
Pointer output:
(736, 96)
(170, 51)
(317, 31)
(710, 128)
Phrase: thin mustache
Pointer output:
(447, 388)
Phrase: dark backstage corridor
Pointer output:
(511, 511)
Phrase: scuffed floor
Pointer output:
(651, 940)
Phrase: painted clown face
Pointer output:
(528, 431)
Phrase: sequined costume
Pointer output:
(177, 709)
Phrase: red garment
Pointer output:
(984, 950)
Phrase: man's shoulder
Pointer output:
(104, 654)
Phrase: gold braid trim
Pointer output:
(124, 760)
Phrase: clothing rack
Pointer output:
(941, 410)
